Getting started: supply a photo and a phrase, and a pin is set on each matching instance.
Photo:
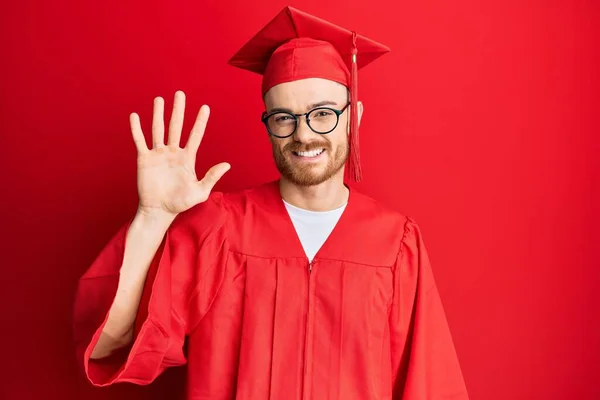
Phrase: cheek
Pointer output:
(339, 136)
(278, 144)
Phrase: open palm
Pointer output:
(166, 174)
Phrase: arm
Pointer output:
(143, 239)
(131, 313)
(425, 364)
(162, 314)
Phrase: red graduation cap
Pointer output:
(295, 45)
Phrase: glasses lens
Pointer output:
(281, 124)
(322, 120)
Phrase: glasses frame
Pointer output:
(265, 117)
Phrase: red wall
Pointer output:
(482, 124)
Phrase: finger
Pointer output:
(213, 175)
(158, 124)
(136, 132)
(198, 129)
(176, 123)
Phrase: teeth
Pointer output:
(312, 153)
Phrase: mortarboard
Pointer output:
(296, 45)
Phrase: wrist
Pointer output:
(154, 219)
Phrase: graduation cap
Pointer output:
(296, 45)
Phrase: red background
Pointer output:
(482, 124)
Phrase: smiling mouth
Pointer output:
(309, 154)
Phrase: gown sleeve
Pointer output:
(425, 364)
(183, 279)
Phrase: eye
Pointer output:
(322, 114)
(283, 118)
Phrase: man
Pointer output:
(301, 288)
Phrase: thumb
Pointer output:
(213, 175)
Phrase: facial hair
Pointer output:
(307, 174)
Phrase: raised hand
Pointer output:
(166, 176)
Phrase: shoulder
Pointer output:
(221, 202)
(204, 217)
(258, 198)
(385, 217)
(378, 211)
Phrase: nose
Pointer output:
(303, 133)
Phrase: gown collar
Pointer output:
(288, 239)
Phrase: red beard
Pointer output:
(309, 175)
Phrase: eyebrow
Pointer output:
(310, 106)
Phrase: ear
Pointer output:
(360, 107)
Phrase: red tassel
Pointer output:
(355, 168)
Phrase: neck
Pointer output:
(326, 196)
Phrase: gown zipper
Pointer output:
(309, 334)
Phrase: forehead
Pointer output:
(298, 94)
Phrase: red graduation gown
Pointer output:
(364, 321)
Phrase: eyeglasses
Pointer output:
(321, 120)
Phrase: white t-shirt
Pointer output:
(313, 227)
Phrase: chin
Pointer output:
(306, 179)
(307, 175)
